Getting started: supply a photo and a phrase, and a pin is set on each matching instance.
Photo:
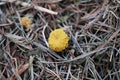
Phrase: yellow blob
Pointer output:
(26, 22)
(58, 40)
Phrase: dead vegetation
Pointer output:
(93, 52)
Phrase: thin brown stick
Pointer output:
(3, 70)
(20, 71)
(37, 7)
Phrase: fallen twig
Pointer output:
(36, 7)
(20, 71)
(39, 8)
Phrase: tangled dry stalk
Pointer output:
(94, 48)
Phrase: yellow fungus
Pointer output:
(58, 40)
(26, 22)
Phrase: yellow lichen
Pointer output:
(26, 22)
(58, 40)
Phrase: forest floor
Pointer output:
(93, 52)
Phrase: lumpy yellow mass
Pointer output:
(58, 40)
(26, 22)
